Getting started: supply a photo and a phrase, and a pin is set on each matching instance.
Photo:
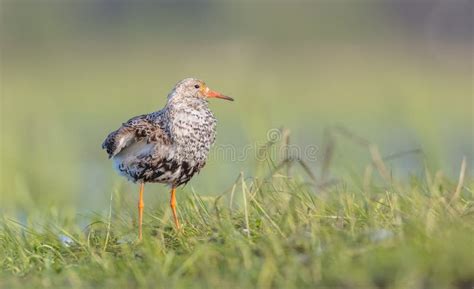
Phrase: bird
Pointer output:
(167, 146)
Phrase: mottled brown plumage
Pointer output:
(170, 145)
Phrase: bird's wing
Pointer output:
(134, 130)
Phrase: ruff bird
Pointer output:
(168, 146)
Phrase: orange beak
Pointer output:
(215, 94)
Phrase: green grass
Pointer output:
(272, 232)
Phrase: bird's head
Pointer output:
(192, 88)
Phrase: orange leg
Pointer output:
(173, 206)
(141, 204)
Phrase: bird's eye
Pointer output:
(196, 86)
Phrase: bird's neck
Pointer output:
(191, 124)
(176, 106)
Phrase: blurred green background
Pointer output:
(399, 73)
